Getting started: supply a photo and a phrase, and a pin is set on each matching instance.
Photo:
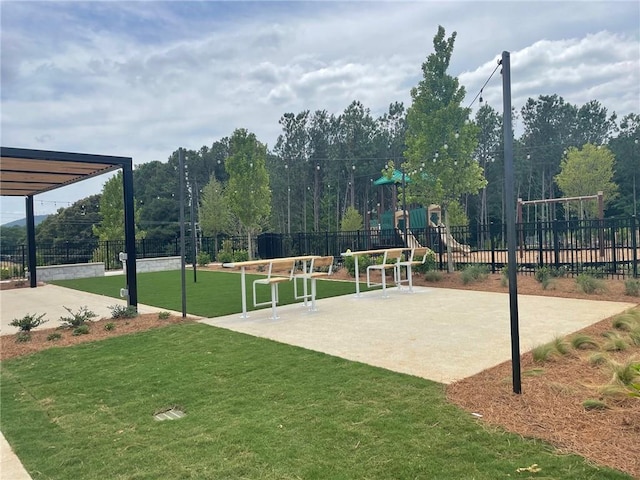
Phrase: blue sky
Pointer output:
(141, 78)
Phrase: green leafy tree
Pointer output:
(73, 224)
(626, 148)
(215, 217)
(587, 171)
(248, 190)
(156, 190)
(440, 140)
(111, 226)
(351, 221)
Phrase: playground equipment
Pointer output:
(565, 200)
(434, 216)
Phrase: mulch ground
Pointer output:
(550, 406)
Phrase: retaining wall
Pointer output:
(67, 272)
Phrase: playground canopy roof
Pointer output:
(396, 177)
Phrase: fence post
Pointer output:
(614, 260)
(24, 260)
(107, 259)
(440, 250)
(540, 244)
(492, 242)
(556, 244)
(634, 245)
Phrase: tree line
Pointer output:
(323, 166)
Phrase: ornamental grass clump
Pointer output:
(581, 341)
(632, 287)
(474, 273)
(590, 284)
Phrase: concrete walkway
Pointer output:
(434, 333)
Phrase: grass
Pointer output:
(213, 295)
(254, 409)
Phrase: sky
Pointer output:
(140, 78)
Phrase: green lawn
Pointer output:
(255, 409)
(213, 295)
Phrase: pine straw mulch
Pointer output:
(550, 407)
(9, 348)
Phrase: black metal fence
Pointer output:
(607, 247)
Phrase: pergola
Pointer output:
(26, 173)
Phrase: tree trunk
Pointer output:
(249, 249)
(449, 237)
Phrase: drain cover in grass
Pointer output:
(171, 414)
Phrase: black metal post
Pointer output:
(130, 233)
(511, 220)
(31, 243)
(182, 246)
(634, 245)
(193, 238)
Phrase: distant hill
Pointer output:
(38, 219)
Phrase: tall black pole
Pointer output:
(130, 233)
(404, 206)
(193, 237)
(511, 220)
(31, 243)
(182, 247)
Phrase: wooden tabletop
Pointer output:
(267, 261)
(372, 252)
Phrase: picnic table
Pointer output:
(355, 255)
(263, 262)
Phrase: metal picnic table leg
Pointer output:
(357, 277)
(243, 287)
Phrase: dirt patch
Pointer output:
(550, 406)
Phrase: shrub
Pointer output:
(81, 330)
(474, 273)
(627, 373)
(363, 262)
(120, 311)
(23, 337)
(203, 259)
(29, 321)
(54, 336)
(598, 359)
(543, 275)
(504, 276)
(225, 257)
(589, 284)
(163, 315)
(632, 287)
(240, 256)
(78, 318)
(429, 264)
(433, 276)
(110, 326)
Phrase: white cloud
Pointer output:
(141, 79)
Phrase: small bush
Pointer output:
(429, 264)
(634, 336)
(589, 284)
(632, 287)
(52, 337)
(29, 321)
(627, 373)
(593, 404)
(163, 315)
(561, 345)
(120, 311)
(80, 330)
(240, 256)
(363, 262)
(504, 276)
(110, 326)
(433, 276)
(78, 318)
(203, 259)
(474, 273)
(22, 337)
(225, 257)
(594, 272)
